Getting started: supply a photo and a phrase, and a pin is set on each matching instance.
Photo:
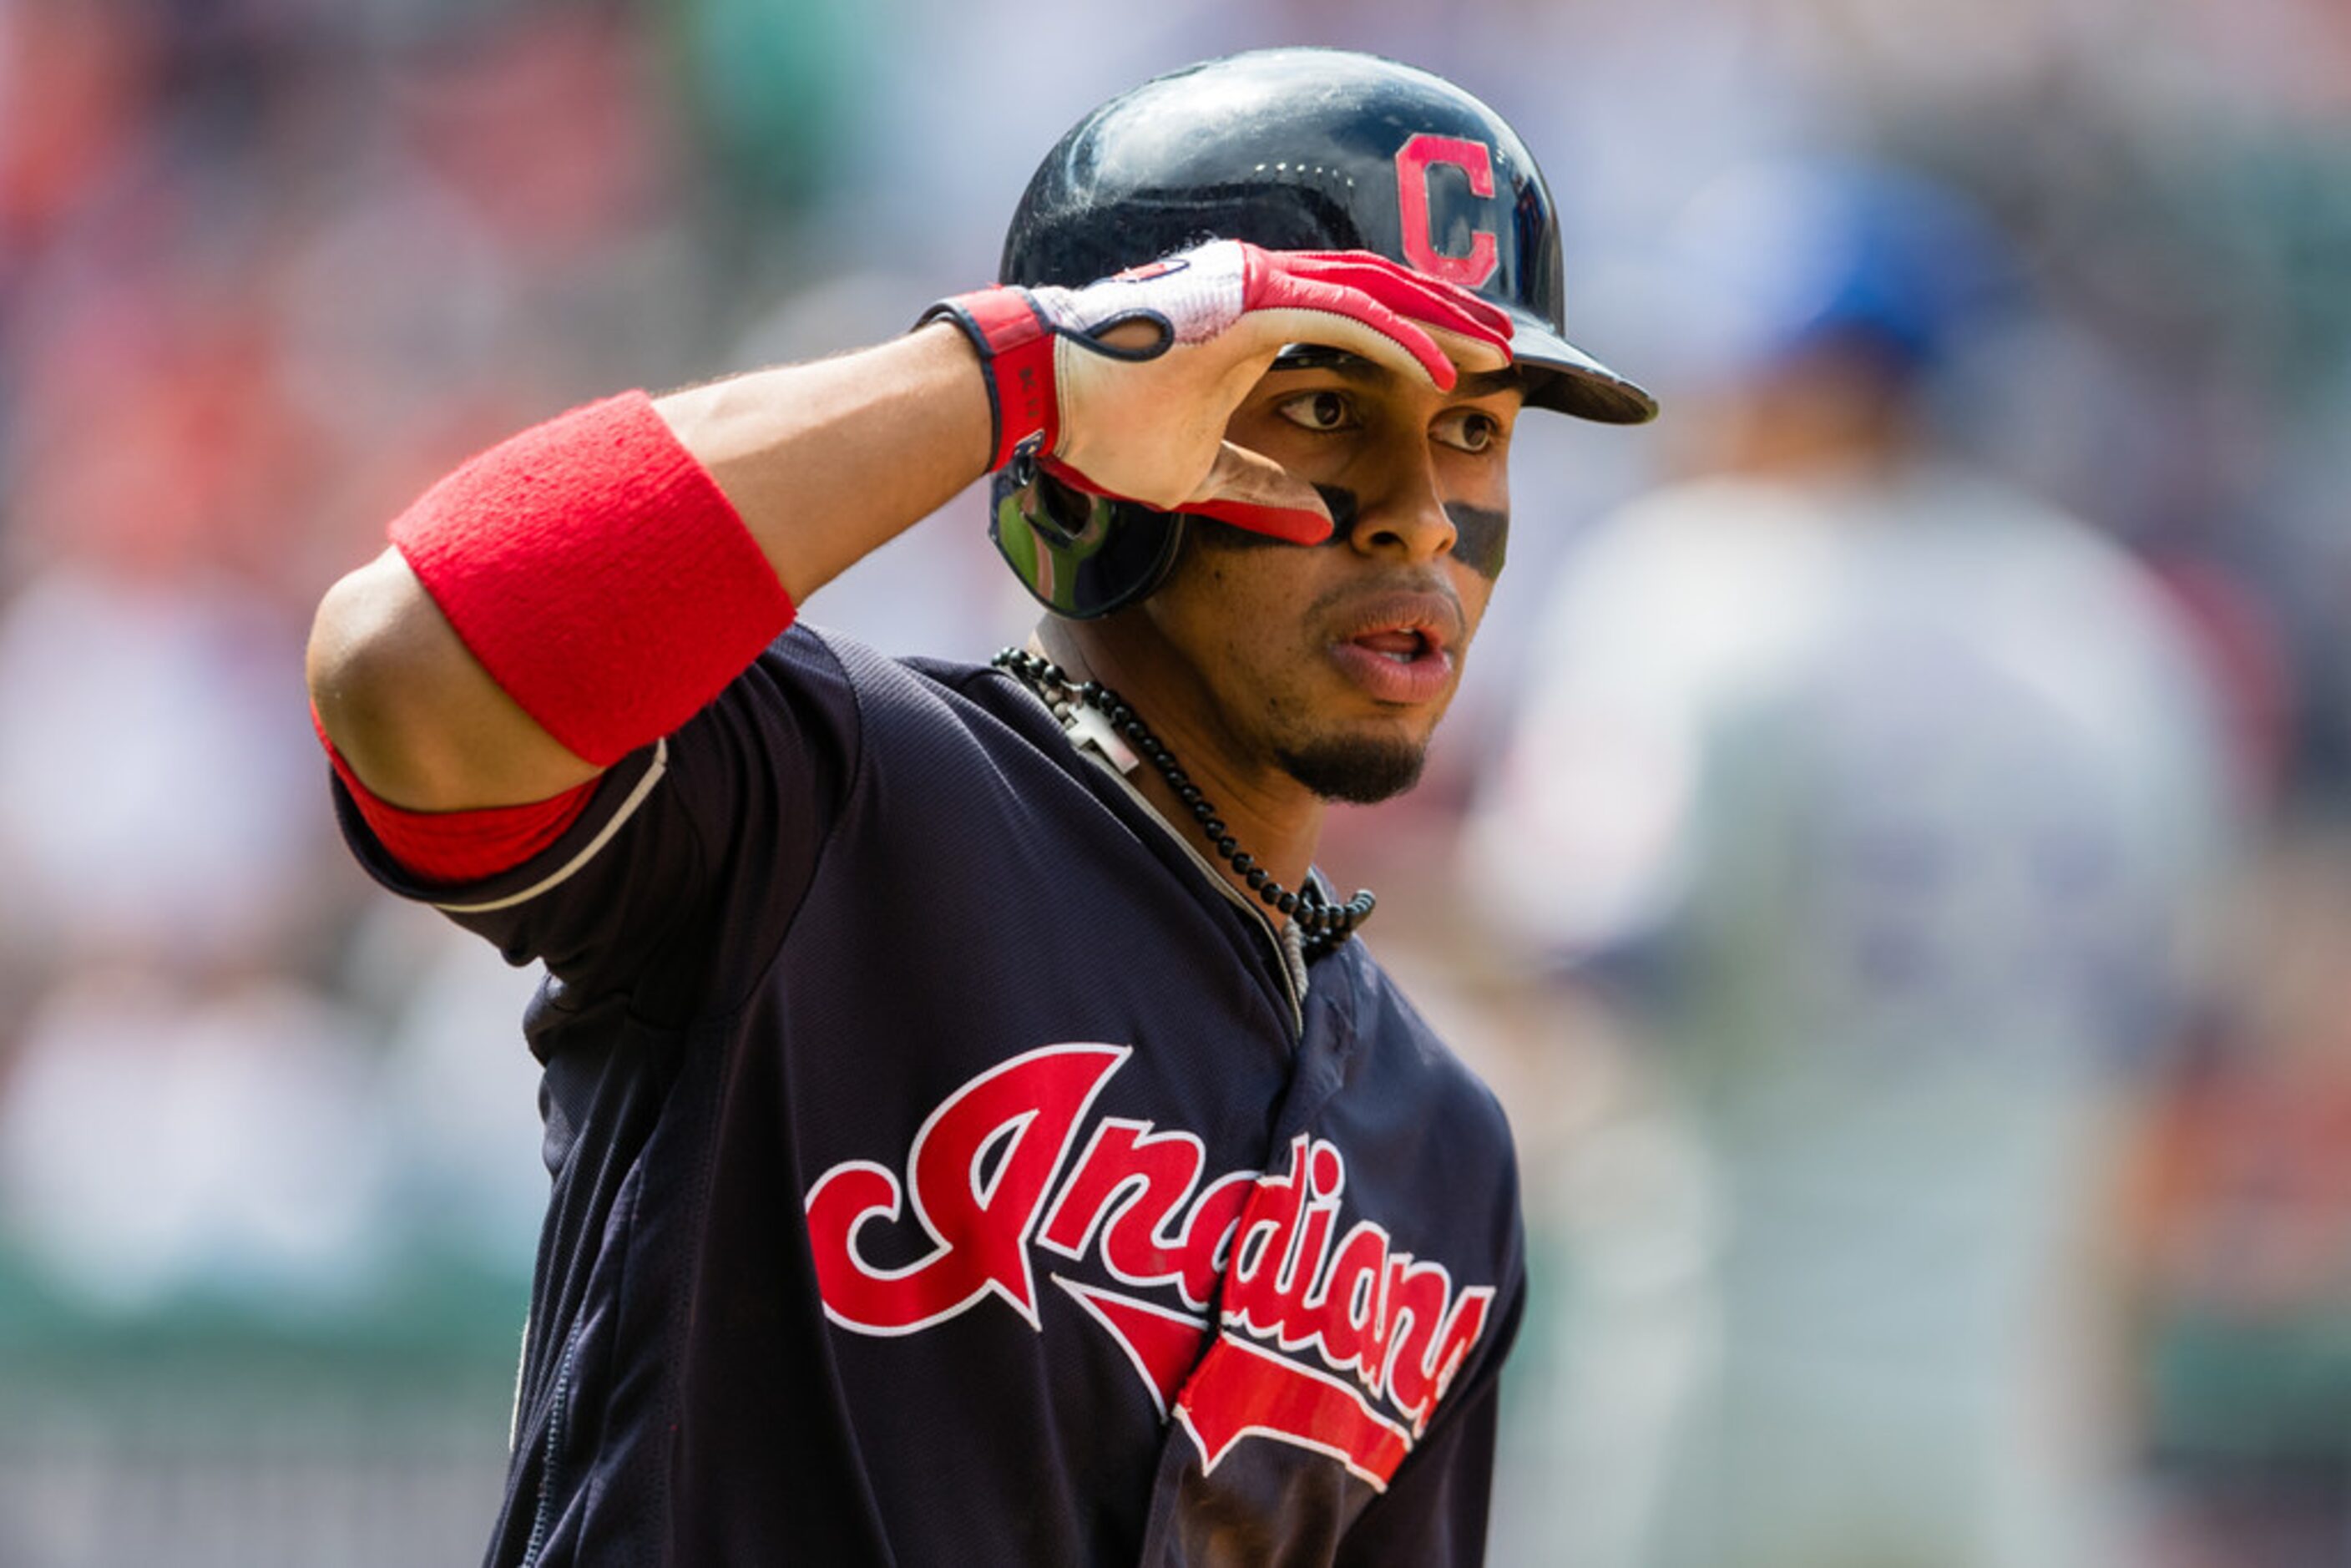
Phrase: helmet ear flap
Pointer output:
(1079, 555)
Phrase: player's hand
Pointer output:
(1125, 386)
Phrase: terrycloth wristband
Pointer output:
(599, 574)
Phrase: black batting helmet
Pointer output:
(1292, 150)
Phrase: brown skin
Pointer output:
(827, 462)
(1222, 663)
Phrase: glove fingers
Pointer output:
(1455, 349)
(1377, 274)
(1252, 491)
(1360, 326)
(1269, 288)
(1473, 339)
(1471, 354)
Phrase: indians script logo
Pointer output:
(1340, 1345)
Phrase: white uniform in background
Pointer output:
(1900, 795)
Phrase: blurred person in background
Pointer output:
(1877, 797)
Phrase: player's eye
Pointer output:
(1324, 410)
(1470, 429)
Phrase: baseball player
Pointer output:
(976, 1135)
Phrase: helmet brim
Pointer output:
(1572, 382)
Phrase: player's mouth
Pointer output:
(1399, 648)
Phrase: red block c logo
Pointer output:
(1414, 159)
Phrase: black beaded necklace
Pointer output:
(1323, 926)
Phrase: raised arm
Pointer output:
(574, 592)
(823, 463)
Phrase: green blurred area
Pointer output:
(200, 1431)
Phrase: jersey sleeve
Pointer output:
(677, 881)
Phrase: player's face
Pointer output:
(1335, 663)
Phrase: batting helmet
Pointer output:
(1292, 150)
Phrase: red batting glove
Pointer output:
(1148, 425)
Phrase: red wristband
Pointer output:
(459, 846)
(1016, 348)
(599, 574)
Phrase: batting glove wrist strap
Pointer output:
(1015, 343)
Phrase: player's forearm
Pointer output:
(827, 462)
(535, 617)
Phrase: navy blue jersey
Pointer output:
(949, 1168)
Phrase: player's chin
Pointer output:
(1361, 767)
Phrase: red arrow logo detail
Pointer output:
(1164, 1346)
(1241, 1391)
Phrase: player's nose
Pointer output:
(1405, 516)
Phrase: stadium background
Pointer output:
(267, 1176)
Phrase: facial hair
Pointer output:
(1358, 770)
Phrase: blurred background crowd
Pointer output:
(1889, 853)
